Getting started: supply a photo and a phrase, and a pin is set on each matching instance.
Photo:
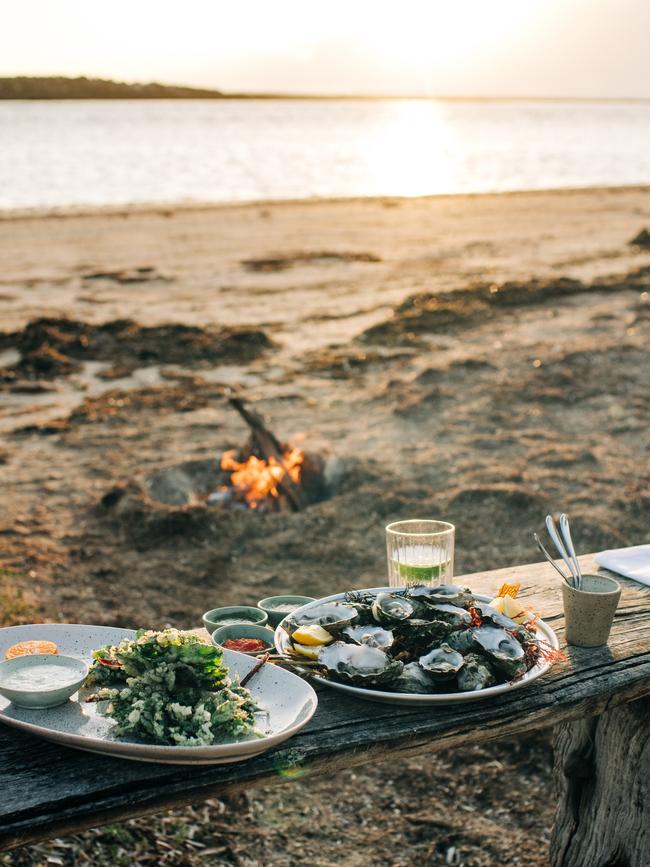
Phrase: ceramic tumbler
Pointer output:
(589, 613)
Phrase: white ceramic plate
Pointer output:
(288, 702)
(283, 645)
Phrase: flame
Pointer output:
(258, 479)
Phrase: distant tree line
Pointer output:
(26, 87)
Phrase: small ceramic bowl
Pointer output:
(243, 630)
(73, 673)
(278, 607)
(233, 614)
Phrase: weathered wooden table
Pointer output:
(598, 701)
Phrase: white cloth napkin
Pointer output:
(632, 562)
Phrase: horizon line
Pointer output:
(361, 97)
(215, 93)
(440, 98)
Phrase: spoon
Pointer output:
(553, 533)
(550, 559)
(568, 541)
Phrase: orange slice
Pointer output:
(34, 646)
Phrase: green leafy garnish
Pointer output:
(171, 688)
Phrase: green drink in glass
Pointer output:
(420, 552)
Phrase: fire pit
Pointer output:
(265, 475)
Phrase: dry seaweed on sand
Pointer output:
(52, 347)
(447, 312)
(284, 261)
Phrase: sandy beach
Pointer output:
(483, 359)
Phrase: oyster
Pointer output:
(415, 637)
(490, 615)
(462, 640)
(414, 679)
(360, 597)
(359, 665)
(501, 649)
(456, 616)
(442, 663)
(372, 635)
(332, 616)
(475, 674)
(449, 593)
(389, 608)
(524, 635)
(362, 601)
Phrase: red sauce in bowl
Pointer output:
(246, 645)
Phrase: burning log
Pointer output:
(282, 464)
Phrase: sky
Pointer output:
(545, 48)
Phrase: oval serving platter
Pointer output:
(288, 704)
(282, 644)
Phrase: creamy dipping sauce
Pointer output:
(285, 607)
(37, 677)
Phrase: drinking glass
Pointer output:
(420, 552)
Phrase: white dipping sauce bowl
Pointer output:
(73, 673)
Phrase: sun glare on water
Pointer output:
(415, 149)
(410, 153)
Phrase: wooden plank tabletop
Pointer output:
(48, 790)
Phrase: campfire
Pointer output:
(266, 474)
(263, 475)
(258, 480)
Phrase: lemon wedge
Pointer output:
(304, 650)
(312, 635)
(498, 604)
(513, 609)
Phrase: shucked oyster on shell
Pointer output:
(442, 663)
(501, 650)
(372, 635)
(359, 664)
(390, 609)
(332, 616)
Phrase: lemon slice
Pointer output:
(512, 608)
(304, 650)
(312, 635)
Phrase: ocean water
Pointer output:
(113, 152)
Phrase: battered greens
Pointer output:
(170, 688)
